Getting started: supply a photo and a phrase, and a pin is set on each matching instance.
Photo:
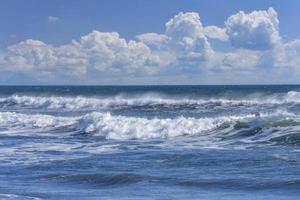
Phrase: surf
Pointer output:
(151, 100)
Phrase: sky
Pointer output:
(135, 42)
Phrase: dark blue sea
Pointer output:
(150, 142)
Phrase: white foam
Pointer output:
(15, 197)
(116, 126)
(121, 127)
(19, 120)
(79, 102)
(148, 99)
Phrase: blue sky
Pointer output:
(36, 34)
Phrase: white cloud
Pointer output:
(52, 19)
(182, 50)
(29, 54)
(39, 59)
(184, 25)
(215, 32)
(257, 30)
(109, 52)
(184, 44)
(98, 51)
(187, 39)
(287, 55)
(154, 41)
(241, 60)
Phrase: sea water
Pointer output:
(150, 142)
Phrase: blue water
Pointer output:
(150, 142)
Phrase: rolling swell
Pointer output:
(151, 100)
(99, 179)
(90, 142)
(275, 128)
(252, 118)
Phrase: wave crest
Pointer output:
(279, 127)
(148, 99)
(121, 127)
(19, 121)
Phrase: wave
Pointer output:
(147, 99)
(121, 127)
(17, 121)
(278, 127)
(115, 126)
(99, 179)
(17, 196)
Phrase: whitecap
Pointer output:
(148, 99)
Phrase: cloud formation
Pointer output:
(187, 39)
(183, 49)
(257, 30)
(216, 33)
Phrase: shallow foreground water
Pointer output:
(150, 142)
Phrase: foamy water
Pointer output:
(140, 100)
(116, 142)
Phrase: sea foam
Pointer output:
(120, 127)
(147, 99)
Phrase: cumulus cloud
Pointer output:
(36, 57)
(216, 33)
(184, 48)
(241, 59)
(100, 51)
(286, 55)
(187, 38)
(29, 54)
(258, 30)
(183, 44)
(109, 52)
(154, 41)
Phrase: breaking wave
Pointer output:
(146, 99)
(278, 127)
(121, 127)
(15, 120)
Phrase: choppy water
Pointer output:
(150, 142)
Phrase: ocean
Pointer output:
(150, 142)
